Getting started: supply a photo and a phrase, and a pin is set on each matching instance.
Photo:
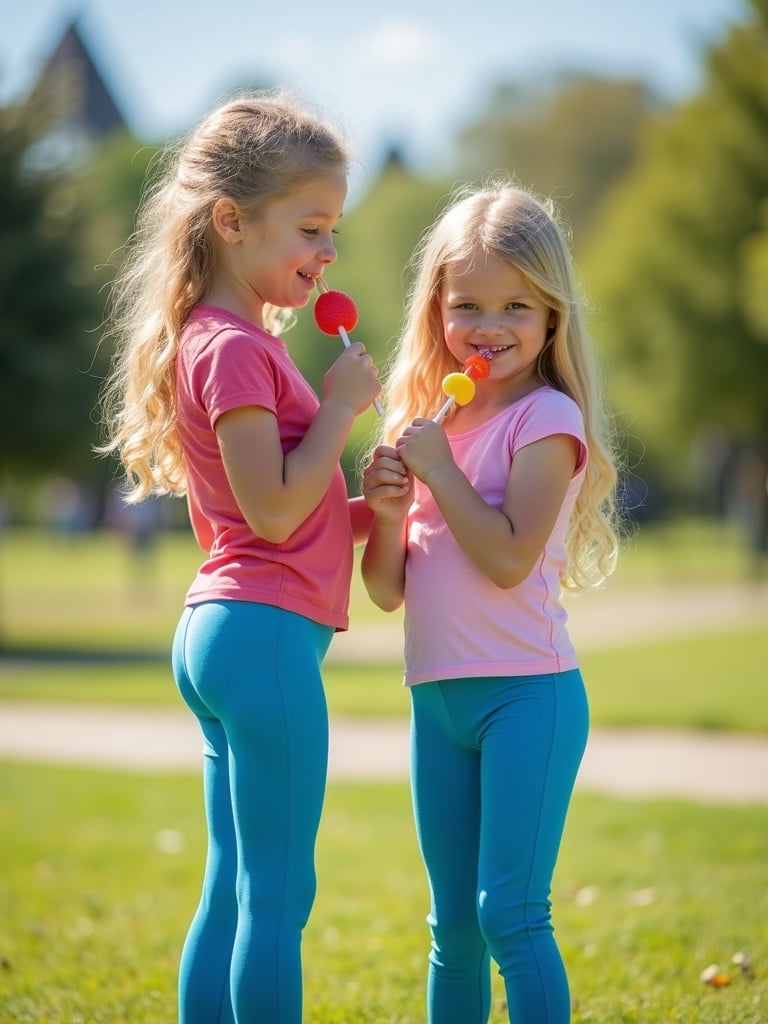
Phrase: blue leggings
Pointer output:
(493, 764)
(251, 675)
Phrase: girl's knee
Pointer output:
(455, 935)
(505, 921)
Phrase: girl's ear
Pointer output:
(225, 217)
(552, 325)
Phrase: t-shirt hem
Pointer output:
(480, 670)
(324, 616)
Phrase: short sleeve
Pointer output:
(549, 412)
(232, 371)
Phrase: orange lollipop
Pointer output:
(477, 367)
(460, 387)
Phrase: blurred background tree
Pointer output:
(668, 206)
(47, 376)
(570, 138)
(679, 263)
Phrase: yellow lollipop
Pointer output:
(460, 389)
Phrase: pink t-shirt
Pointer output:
(458, 624)
(225, 362)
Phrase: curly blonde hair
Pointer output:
(253, 150)
(503, 220)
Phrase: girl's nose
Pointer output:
(328, 252)
(489, 325)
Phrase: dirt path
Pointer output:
(705, 766)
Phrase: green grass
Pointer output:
(711, 681)
(60, 599)
(714, 681)
(90, 593)
(101, 873)
(686, 551)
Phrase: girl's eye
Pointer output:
(311, 232)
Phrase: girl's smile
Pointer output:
(487, 307)
(278, 257)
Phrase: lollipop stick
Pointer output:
(442, 411)
(345, 338)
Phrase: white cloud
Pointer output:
(399, 42)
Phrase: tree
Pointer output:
(375, 243)
(571, 138)
(47, 306)
(679, 259)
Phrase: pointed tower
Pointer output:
(70, 86)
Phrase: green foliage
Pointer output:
(572, 139)
(110, 185)
(376, 239)
(675, 263)
(102, 873)
(375, 243)
(47, 305)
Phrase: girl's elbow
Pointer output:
(507, 576)
(273, 529)
(388, 599)
(388, 602)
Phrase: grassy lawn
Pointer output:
(101, 873)
(91, 593)
(61, 599)
(671, 683)
(101, 870)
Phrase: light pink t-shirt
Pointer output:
(458, 624)
(224, 363)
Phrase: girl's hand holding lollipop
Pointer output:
(336, 313)
(421, 447)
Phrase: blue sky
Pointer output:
(408, 72)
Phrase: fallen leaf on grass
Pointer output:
(713, 976)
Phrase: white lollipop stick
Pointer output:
(443, 410)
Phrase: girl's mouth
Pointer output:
(489, 352)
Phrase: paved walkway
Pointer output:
(693, 765)
(705, 766)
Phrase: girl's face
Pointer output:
(485, 303)
(277, 258)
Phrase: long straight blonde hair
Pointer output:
(503, 220)
(253, 150)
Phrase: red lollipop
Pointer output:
(334, 310)
(336, 313)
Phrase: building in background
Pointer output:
(73, 92)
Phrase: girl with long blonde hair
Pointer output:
(480, 522)
(206, 401)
